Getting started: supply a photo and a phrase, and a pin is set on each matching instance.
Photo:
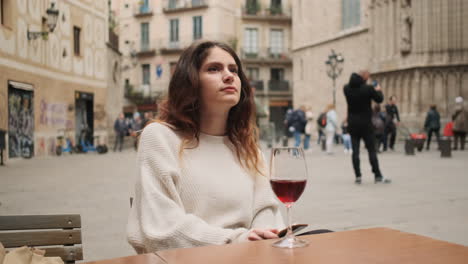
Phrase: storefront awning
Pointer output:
(22, 86)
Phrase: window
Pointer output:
(252, 7)
(145, 69)
(251, 41)
(76, 40)
(174, 32)
(172, 4)
(197, 27)
(144, 6)
(276, 74)
(197, 2)
(252, 73)
(144, 36)
(275, 7)
(351, 13)
(276, 42)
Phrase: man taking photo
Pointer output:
(359, 96)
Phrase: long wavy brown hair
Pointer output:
(181, 108)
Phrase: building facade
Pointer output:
(153, 34)
(416, 49)
(54, 83)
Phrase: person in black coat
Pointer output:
(432, 125)
(359, 96)
(390, 124)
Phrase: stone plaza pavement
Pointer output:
(428, 195)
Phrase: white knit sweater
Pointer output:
(205, 198)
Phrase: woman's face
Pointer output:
(219, 82)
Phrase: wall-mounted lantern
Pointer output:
(50, 21)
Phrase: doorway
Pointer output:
(20, 120)
(84, 117)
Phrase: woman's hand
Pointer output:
(260, 234)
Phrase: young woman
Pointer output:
(202, 178)
(330, 128)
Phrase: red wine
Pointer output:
(288, 191)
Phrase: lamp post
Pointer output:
(334, 69)
(50, 21)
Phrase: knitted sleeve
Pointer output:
(163, 222)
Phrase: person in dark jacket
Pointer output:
(432, 125)
(378, 122)
(120, 129)
(298, 121)
(359, 96)
(390, 125)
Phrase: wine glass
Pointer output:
(288, 178)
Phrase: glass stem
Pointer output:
(288, 213)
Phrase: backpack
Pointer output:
(322, 120)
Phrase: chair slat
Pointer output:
(22, 222)
(70, 253)
(40, 238)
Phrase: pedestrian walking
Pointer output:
(432, 125)
(460, 124)
(359, 96)
(298, 121)
(391, 123)
(331, 127)
(147, 118)
(346, 137)
(321, 123)
(378, 123)
(137, 126)
(202, 177)
(309, 128)
(120, 129)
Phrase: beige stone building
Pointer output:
(154, 33)
(53, 83)
(416, 49)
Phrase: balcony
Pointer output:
(266, 56)
(146, 50)
(271, 14)
(172, 47)
(174, 6)
(142, 10)
(278, 86)
(258, 84)
(144, 94)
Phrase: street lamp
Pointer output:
(334, 69)
(50, 21)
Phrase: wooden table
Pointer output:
(374, 245)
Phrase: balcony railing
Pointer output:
(278, 86)
(146, 50)
(276, 13)
(141, 93)
(258, 84)
(275, 55)
(142, 10)
(171, 6)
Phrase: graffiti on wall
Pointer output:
(20, 123)
(54, 115)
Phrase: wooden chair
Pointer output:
(59, 235)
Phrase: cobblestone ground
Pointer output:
(428, 195)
